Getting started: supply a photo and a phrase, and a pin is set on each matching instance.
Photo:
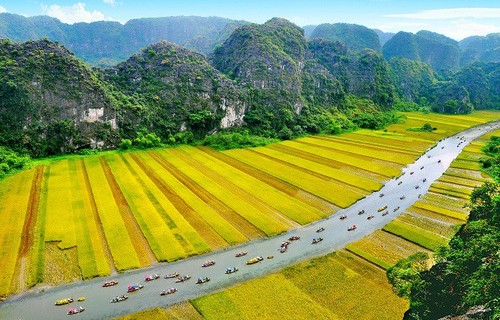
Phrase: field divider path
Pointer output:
(101, 236)
(335, 236)
(21, 272)
(139, 241)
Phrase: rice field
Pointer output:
(100, 214)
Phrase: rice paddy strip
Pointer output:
(287, 205)
(103, 258)
(434, 226)
(354, 150)
(434, 216)
(383, 248)
(459, 181)
(60, 223)
(184, 232)
(86, 257)
(139, 241)
(22, 276)
(120, 244)
(439, 120)
(326, 190)
(463, 164)
(159, 237)
(257, 213)
(348, 286)
(381, 168)
(441, 200)
(211, 226)
(218, 204)
(449, 193)
(14, 196)
(416, 235)
(368, 141)
(365, 150)
(389, 139)
(181, 311)
(452, 187)
(329, 162)
(441, 210)
(468, 174)
(37, 256)
(340, 176)
(325, 207)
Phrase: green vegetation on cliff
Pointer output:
(356, 37)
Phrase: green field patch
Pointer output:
(459, 181)
(161, 240)
(441, 210)
(463, 164)
(325, 207)
(120, 244)
(443, 201)
(435, 226)
(338, 175)
(214, 229)
(254, 211)
(416, 235)
(468, 174)
(271, 297)
(14, 195)
(287, 205)
(383, 249)
(183, 231)
(329, 191)
(455, 188)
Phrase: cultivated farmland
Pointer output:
(97, 215)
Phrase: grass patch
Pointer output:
(416, 235)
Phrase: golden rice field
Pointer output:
(102, 214)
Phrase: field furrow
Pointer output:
(159, 237)
(439, 184)
(278, 184)
(216, 231)
(191, 241)
(257, 213)
(120, 244)
(459, 181)
(102, 253)
(382, 139)
(21, 277)
(326, 190)
(287, 205)
(139, 241)
(14, 196)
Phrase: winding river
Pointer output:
(40, 305)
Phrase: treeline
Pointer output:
(467, 273)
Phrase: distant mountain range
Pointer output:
(268, 78)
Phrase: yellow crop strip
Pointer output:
(60, 218)
(353, 149)
(441, 210)
(160, 238)
(258, 214)
(384, 247)
(193, 242)
(14, 196)
(460, 181)
(287, 205)
(339, 175)
(439, 184)
(386, 169)
(122, 250)
(272, 297)
(394, 140)
(438, 227)
(469, 165)
(88, 260)
(221, 227)
(340, 196)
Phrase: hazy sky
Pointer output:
(454, 18)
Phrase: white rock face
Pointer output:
(234, 114)
(93, 115)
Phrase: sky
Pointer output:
(457, 19)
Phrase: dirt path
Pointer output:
(19, 280)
